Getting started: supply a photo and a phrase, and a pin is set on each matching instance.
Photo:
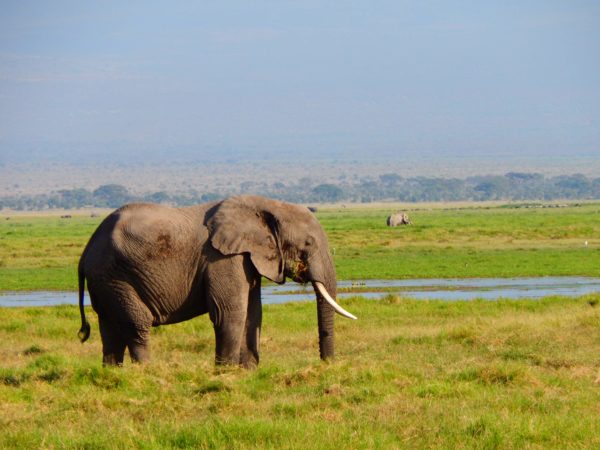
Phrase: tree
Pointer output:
(327, 193)
(74, 198)
(573, 186)
(158, 197)
(111, 195)
(390, 178)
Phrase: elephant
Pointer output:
(398, 218)
(148, 265)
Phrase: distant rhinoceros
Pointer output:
(398, 218)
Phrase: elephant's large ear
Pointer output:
(239, 225)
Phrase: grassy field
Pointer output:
(466, 242)
(408, 374)
(42, 252)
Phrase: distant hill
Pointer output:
(521, 186)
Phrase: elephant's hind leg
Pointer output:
(137, 323)
(138, 343)
(113, 343)
(125, 321)
(115, 337)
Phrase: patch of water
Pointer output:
(434, 289)
(452, 289)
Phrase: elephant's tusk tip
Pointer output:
(341, 311)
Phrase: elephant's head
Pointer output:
(283, 240)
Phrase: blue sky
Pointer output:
(388, 78)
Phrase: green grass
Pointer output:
(42, 252)
(408, 374)
(468, 263)
(468, 242)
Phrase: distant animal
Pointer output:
(65, 216)
(398, 218)
(148, 265)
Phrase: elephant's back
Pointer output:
(149, 232)
(141, 234)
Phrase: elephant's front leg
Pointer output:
(251, 343)
(228, 291)
(229, 331)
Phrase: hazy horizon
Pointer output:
(112, 82)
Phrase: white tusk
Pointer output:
(338, 309)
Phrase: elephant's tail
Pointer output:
(84, 331)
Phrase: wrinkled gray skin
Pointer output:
(148, 265)
(398, 219)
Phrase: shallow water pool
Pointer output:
(434, 289)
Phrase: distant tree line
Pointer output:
(387, 187)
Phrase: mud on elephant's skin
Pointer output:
(148, 265)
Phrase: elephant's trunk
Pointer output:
(325, 316)
(326, 309)
(322, 274)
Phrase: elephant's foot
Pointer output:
(139, 353)
(139, 346)
(245, 358)
(224, 361)
(113, 344)
(113, 359)
(248, 360)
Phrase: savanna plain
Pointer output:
(408, 373)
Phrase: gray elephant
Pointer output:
(148, 265)
(398, 218)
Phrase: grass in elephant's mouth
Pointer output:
(505, 374)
